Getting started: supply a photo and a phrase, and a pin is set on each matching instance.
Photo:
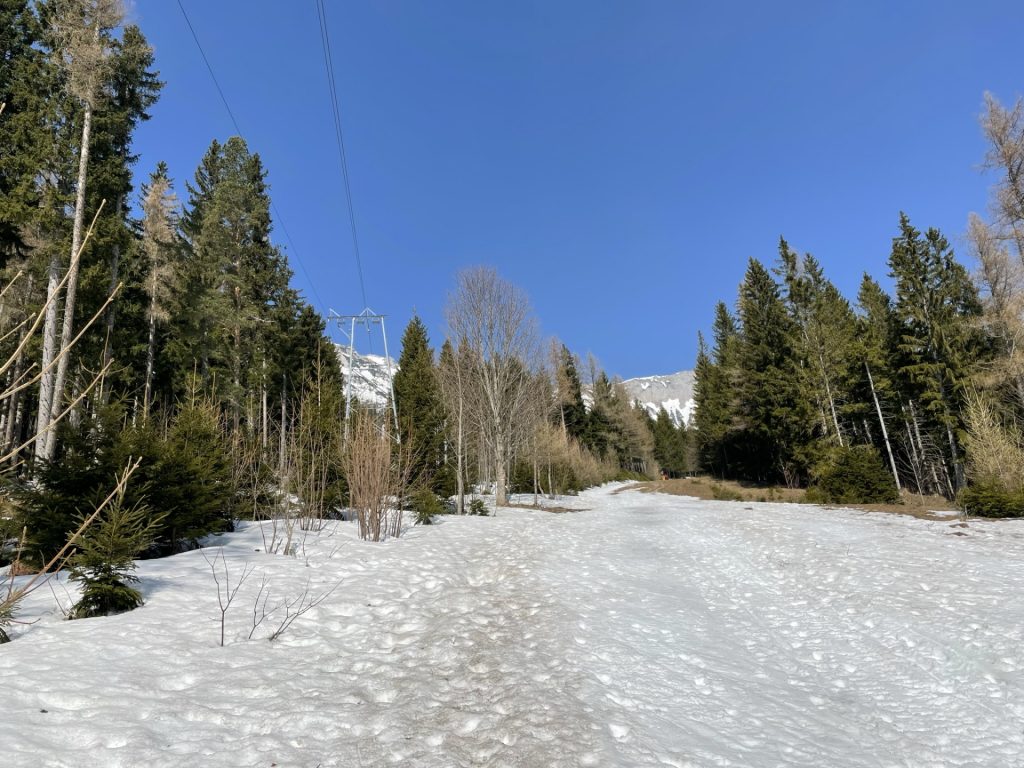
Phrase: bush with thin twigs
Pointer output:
(995, 462)
(376, 476)
(285, 612)
(226, 591)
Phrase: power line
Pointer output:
(273, 206)
(325, 42)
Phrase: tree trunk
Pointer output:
(831, 399)
(57, 399)
(49, 352)
(460, 471)
(115, 268)
(500, 478)
(150, 357)
(915, 462)
(885, 432)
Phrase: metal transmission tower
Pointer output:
(348, 324)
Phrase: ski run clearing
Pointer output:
(641, 630)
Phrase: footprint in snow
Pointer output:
(619, 732)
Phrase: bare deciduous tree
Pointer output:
(158, 226)
(1004, 129)
(491, 319)
(1000, 278)
(79, 27)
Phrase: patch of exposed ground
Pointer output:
(709, 489)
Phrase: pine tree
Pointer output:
(236, 295)
(420, 408)
(104, 560)
(715, 387)
(824, 335)
(572, 411)
(876, 341)
(774, 418)
(28, 80)
(669, 444)
(936, 310)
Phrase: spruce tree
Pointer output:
(420, 408)
(936, 311)
(715, 389)
(572, 410)
(825, 330)
(774, 417)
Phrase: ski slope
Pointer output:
(642, 630)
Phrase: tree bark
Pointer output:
(885, 432)
(67, 332)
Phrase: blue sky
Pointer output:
(620, 161)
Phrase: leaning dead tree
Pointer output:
(491, 320)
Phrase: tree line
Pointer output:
(920, 390)
(133, 324)
(161, 378)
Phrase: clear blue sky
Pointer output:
(620, 161)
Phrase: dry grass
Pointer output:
(546, 508)
(709, 489)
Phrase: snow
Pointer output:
(673, 392)
(639, 630)
(369, 377)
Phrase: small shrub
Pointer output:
(105, 560)
(426, 504)
(991, 499)
(721, 493)
(853, 475)
(814, 495)
(477, 507)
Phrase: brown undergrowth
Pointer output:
(711, 489)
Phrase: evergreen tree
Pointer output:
(420, 408)
(669, 444)
(936, 310)
(572, 411)
(774, 418)
(715, 387)
(105, 559)
(825, 331)
(876, 331)
(238, 311)
(28, 85)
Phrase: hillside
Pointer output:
(370, 382)
(641, 630)
(673, 392)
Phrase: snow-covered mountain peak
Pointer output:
(368, 375)
(673, 392)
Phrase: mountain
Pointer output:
(369, 376)
(673, 392)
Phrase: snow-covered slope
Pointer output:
(673, 392)
(649, 630)
(370, 381)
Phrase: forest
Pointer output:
(920, 390)
(161, 378)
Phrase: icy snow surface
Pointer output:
(644, 631)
